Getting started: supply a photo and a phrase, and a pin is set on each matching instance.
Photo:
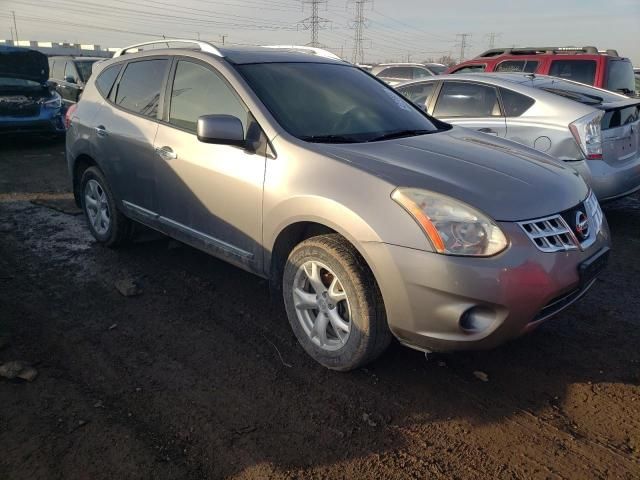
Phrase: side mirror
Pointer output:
(221, 129)
(69, 79)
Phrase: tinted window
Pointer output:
(58, 69)
(336, 103)
(105, 80)
(515, 104)
(583, 71)
(575, 91)
(84, 69)
(70, 71)
(437, 69)
(139, 87)
(421, 73)
(418, 93)
(527, 66)
(199, 91)
(620, 77)
(464, 99)
(470, 69)
(397, 72)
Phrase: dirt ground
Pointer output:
(201, 377)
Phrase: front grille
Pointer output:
(563, 232)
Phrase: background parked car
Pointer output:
(70, 75)
(603, 69)
(27, 103)
(596, 131)
(394, 73)
(636, 73)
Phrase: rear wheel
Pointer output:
(105, 221)
(334, 304)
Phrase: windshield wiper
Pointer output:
(399, 134)
(328, 139)
(624, 91)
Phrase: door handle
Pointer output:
(101, 131)
(490, 131)
(166, 152)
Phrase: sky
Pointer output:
(398, 30)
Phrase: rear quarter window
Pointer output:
(514, 103)
(106, 79)
(470, 69)
(583, 71)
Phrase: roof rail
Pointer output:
(204, 46)
(305, 49)
(494, 52)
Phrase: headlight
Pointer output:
(453, 227)
(54, 102)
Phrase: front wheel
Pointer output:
(333, 303)
(105, 221)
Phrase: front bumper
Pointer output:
(53, 124)
(428, 295)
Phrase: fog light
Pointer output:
(477, 319)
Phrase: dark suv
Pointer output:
(69, 75)
(603, 69)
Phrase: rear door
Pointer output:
(472, 105)
(208, 192)
(125, 129)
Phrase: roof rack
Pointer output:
(494, 52)
(305, 49)
(203, 46)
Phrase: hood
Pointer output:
(24, 63)
(505, 180)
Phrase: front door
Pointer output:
(210, 193)
(471, 105)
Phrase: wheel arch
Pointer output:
(80, 164)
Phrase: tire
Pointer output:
(118, 228)
(343, 273)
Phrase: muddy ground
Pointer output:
(201, 377)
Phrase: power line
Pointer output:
(463, 44)
(492, 39)
(314, 22)
(359, 24)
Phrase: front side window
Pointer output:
(418, 93)
(465, 99)
(70, 72)
(527, 66)
(470, 69)
(139, 87)
(583, 71)
(58, 69)
(84, 69)
(199, 91)
(514, 103)
(333, 103)
(106, 79)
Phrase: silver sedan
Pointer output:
(595, 131)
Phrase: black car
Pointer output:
(69, 76)
(28, 104)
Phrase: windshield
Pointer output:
(331, 103)
(620, 77)
(17, 82)
(84, 69)
(575, 91)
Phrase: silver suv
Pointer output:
(372, 218)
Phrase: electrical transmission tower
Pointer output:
(492, 39)
(314, 22)
(464, 44)
(358, 25)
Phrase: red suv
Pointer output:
(604, 69)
